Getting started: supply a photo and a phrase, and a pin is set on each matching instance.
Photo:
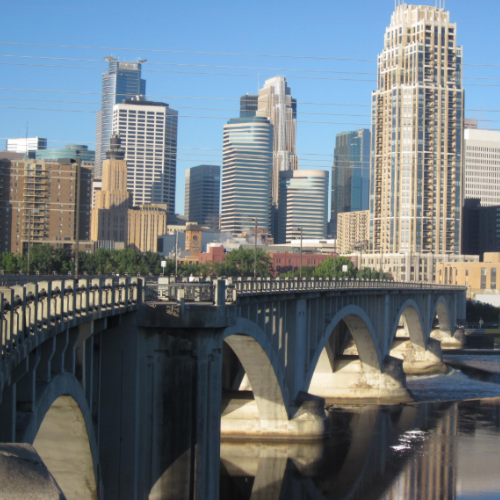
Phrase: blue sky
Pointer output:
(321, 29)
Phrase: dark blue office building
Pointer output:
(350, 174)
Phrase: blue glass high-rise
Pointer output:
(350, 174)
(122, 81)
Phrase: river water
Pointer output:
(445, 446)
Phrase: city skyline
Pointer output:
(314, 140)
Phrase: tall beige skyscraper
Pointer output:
(417, 115)
(276, 104)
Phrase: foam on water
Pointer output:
(454, 386)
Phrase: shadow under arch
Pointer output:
(61, 431)
(261, 364)
(414, 322)
(362, 331)
(442, 311)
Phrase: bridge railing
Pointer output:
(189, 292)
(31, 312)
(239, 287)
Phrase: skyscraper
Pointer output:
(350, 174)
(482, 166)
(202, 195)
(148, 132)
(42, 203)
(303, 204)
(276, 104)
(249, 104)
(122, 81)
(25, 144)
(417, 113)
(109, 215)
(112, 219)
(246, 173)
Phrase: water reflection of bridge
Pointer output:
(384, 453)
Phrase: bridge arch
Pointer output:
(441, 310)
(363, 333)
(60, 429)
(261, 364)
(414, 323)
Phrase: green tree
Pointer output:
(242, 261)
(307, 272)
(8, 263)
(373, 274)
(332, 268)
(42, 259)
(126, 261)
(150, 263)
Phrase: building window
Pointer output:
(493, 278)
(483, 278)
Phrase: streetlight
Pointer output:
(300, 267)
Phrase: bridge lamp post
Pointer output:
(300, 266)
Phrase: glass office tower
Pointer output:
(122, 81)
(202, 195)
(350, 174)
(303, 204)
(247, 165)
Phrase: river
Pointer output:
(444, 446)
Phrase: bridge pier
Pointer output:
(448, 340)
(346, 377)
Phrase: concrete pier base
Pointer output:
(457, 341)
(241, 419)
(351, 379)
(417, 360)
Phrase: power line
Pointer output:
(202, 108)
(179, 116)
(229, 74)
(223, 66)
(186, 52)
(191, 72)
(215, 98)
(235, 54)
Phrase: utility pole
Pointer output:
(335, 260)
(176, 244)
(300, 272)
(255, 250)
(300, 264)
(77, 235)
(29, 238)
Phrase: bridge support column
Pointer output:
(346, 377)
(449, 340)
(182, 393)
(417, 360)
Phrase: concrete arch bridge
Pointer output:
(130, 378)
